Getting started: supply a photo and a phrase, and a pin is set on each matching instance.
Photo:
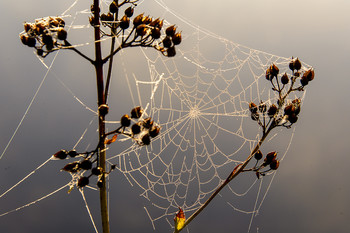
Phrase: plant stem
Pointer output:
(101, 123)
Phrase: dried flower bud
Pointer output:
(274, 164)
(147, 123)
(297, 64)
(285, 79)
(258, 155)
(99, 184)
(252, 107)
(136, 128)
(304, 80)
(170, 31)
(72, 153)
(109, 17)
(96, 171)
(293, 118)
(154, 131)
(177, 38)
(141, 30)
(262, 107)
(146, 140)
(270, 157)
(296, 102)
(272, 110)
(103, 17)
(291, 64)
(85, 164)
(255, 116)
(103, 109)
(147, 20)
(138, 20)
(39, 52)
(274, 70)
(171, 52)
(48, 41)
(83, 181)
(310, 74)
(71, 167)
(129, 11)
(167, 42)
(289, 109)
(155, 32)
(61, 34)
(136, 112)
(27, 27)
(62, 154)
(155, 23)
(124, 22)
(91, 20)
(125, 121)
(113, 7)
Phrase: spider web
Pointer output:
(200, 99)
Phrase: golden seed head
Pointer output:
(154, 131)
(272, 110)
(124, 22)
(136, 112)
(125, 121)
(146, 140)
(129, 11)
(167, 42)
(258, 155)
(274, 164)
(113, 7)
(177, 38)
(170, 31)
(252, 107)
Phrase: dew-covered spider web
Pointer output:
(200, 100)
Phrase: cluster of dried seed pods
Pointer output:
(283, 112)
(45, 35)
(144, 30)
(270, 161)
(78, 168)
(142, 130)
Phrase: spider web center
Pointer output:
(194, 112)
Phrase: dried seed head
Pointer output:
(138, 20)
(62, 154)
(296, 102)
(154, 131)
(71, 167)
(291, 64)
(72, 153)
(124, 22)
(167, 42)
(274, 164)
(177, 38)
(289, 109)
(27, 27)
(47, 40)
(103, 109)
(99, 184)
(31, 41)
(109, 17)
(61, 22)
(285, 79)
(136, 128)
(39, 52)
(258, 155)
(293, 118)
(270, 157)
(146, 140)
(255, 116)
(85, 164)
(103, 17)
(155, 23)
(155, 32)
(297, 64)
(147, 123)
(262, 107)
(136, 112)
(129, 11)
(170, 31)
(252, 107)
(91, 20)
(310, 74)
(61, 34)
(96, 171)
(83, 181)
(304, 80)
(141, 30)
(274, 70)
(113, 7)
(272, 110)
(125, 121)
(171, 52)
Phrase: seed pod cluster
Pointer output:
(45, 35)
(143, 129)
(270, 161)
(292, 110)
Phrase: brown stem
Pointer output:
(236, 171)
(101, 123)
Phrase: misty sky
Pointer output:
(310, 192)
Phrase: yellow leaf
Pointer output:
(179, 220)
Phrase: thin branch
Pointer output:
(69, 46)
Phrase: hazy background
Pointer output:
(311, 190)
